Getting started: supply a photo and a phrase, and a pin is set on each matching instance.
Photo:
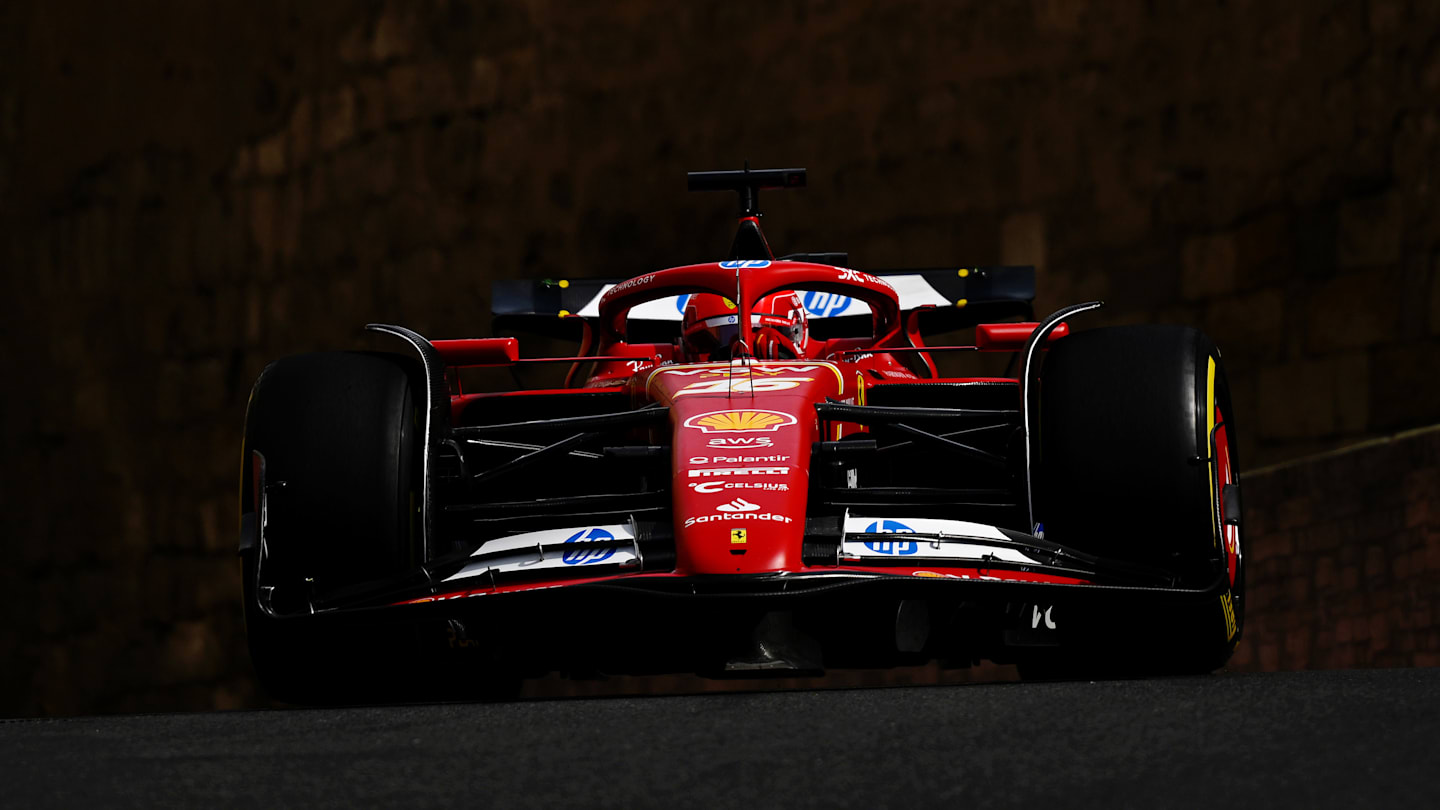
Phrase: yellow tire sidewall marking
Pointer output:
(1210, 451)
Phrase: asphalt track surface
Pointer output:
(1321, 739)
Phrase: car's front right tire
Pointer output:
(1137, 445)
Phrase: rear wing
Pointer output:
(960, 296)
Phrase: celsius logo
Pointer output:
(898, 547)
(824, 304)
(582, 554)
(712, 487)
(738, 505)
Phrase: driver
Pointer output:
(780, 330)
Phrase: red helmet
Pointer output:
(779, 329)
(782, 330)
(711, 324)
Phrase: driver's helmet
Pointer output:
(782, 329)
(711, 326)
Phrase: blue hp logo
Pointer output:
(897, 547)
(824, 304)
(681, 301)
(735, 265)
(584, 555)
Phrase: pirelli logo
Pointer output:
(714, 472)
(1229, 608)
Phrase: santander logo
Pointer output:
(738, 509)
(738, 505)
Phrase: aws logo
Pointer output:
(742, 441)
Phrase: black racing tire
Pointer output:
(340, 434)
(1126, 471)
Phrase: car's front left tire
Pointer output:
(338, 437)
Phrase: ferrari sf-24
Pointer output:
(753, 467)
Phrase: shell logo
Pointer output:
(740, 421)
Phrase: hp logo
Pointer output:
(824, 304)
(681, 301)
(888, 527)
(584, 555)
(898, 547)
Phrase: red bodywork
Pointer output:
(741, 432)
(770, 488)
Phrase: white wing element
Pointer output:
(926, 547)
(552, 548)
(913, 289)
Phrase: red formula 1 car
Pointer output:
(753, 467)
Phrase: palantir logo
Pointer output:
(824, 304)
(898, 547)
(583, 554)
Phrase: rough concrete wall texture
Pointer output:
(1345, 559)
(189, 190)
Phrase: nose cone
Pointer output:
(742, 438)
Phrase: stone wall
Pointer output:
(1345, 559)
(188, 190)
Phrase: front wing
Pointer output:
(602, 599)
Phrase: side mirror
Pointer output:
(1011, 337)
(478, 351)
